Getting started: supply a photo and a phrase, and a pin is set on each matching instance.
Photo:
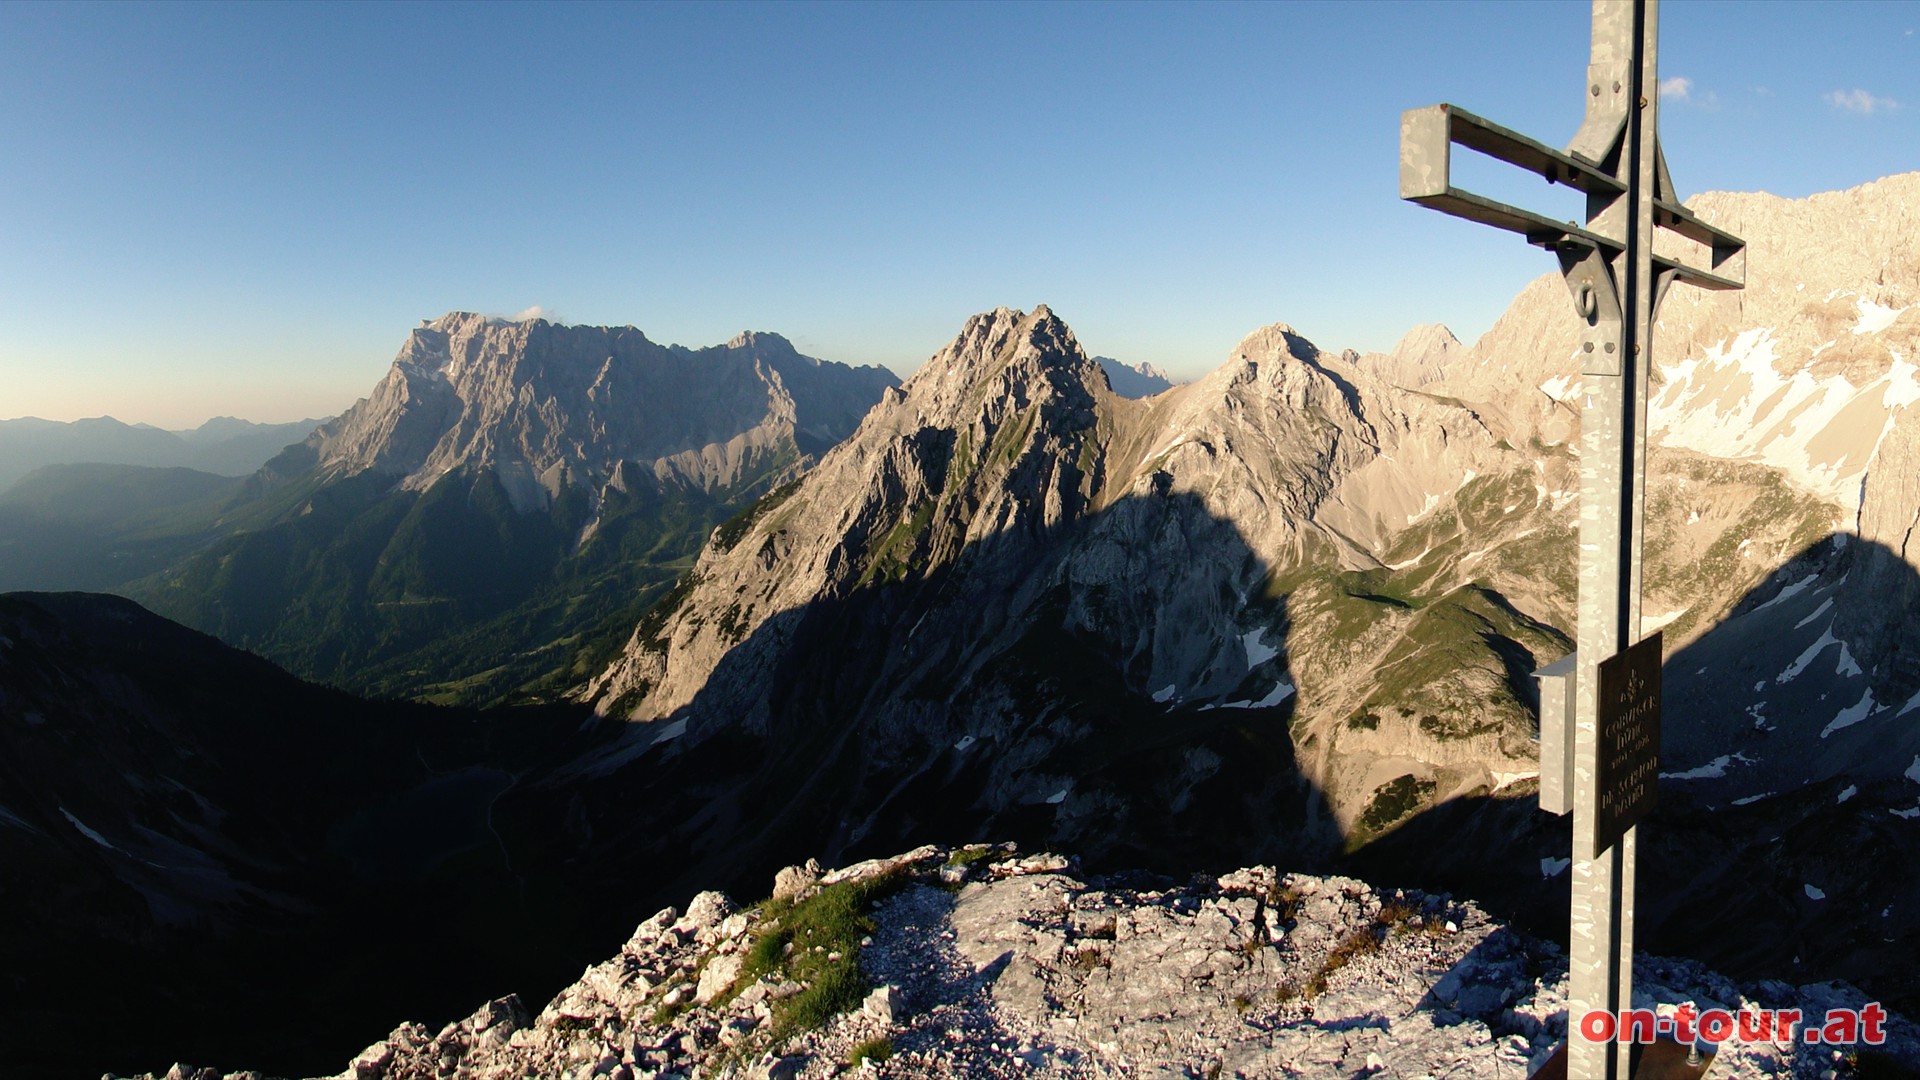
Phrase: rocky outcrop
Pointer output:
(977, 962)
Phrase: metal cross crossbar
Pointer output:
(1605, 772)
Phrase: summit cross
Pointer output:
(1607, 771)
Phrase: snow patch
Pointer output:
(1786, 592)
(1561, 388)
(1875, 317)
(88, 833)
(1908, 814)
(1903, 388)
(1730, 402)
(1755, 798)
(1853, 714)
(1913, 770)
(1551, 867)
(1650, 623)
(1846, 668)
(671, 731)
(1164, 694)
(965, 741)
(1057, 797)
(1258, 651)
(1503, 779)
(1712, 770)
(8, 817)
(1825, 606)
(1280, 692)
(1813, 893)
(1799, 665)
(1409, 562)
(1852, 790)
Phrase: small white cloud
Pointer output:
(1679, 87)
(534, 312)
(1860, 101)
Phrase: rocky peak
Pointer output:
(1423, 355)
(991, 437)
(543, 404)
(1004, 348)
(768, 346)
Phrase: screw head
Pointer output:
(1609, 346)
(1588, 347)
(1596, 89)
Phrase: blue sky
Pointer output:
(244, 208)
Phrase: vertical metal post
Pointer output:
(1616, 280)
(1612, 498)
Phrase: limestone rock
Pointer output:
(1059, 975)
(792, 879)
(718, 977)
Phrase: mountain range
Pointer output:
(1292, 608)
(1285, 613)
(224, 445)
(467, 531)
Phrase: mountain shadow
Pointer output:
(915, 709)
(1784, 844)
(283, 872)
(208, 859)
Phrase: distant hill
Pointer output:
(98, 526)
(225, 446)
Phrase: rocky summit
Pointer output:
(978, 962)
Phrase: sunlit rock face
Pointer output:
(471, 529)
(1363, 556)
(544, 405)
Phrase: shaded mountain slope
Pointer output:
(99, 526)
(238, 853)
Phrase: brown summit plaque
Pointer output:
(1627, 768)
